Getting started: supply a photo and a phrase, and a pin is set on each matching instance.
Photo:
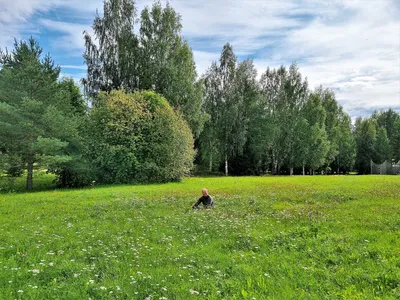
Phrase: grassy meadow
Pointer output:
(318, 237)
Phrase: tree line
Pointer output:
(146, 115)
(277, 124)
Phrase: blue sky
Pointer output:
(352, 47)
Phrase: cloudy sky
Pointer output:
(352, 47)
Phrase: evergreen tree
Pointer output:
(34, 124)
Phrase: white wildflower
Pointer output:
(193, 292)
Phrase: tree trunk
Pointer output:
(291, 171)
(29, 178)
(226, 165)
(310, 172)
(304, 170)
(211, 158)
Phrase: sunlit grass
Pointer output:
(321, 237)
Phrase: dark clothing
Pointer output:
(206, 200)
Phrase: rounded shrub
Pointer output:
(138, 137)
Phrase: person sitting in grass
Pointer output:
(206, 199)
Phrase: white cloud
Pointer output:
(72, 37)
(352, 47)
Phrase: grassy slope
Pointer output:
(273, 237)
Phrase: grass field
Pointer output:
(320, 237)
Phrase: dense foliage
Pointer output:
(276, 124)
(138, 137)
(36, 111)
(156, 58)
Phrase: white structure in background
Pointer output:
(386, 168)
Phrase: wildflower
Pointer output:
(193, 292)
(20, 291)
(103, 288)
(35, 271)
(164, 288)
(91, 281)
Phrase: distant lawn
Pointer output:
(319, 237)
(41, 182)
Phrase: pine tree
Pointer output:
(34, 125)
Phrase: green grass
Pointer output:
(320, 237)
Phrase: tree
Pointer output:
(285, 92)
(246, 94)
(220, 99)
(209, 141)
(113, 63)
(33, 122)
(331, 123)
(396, 141)
(158, 58)
(387, 119)
(365, 136)
(138, 137)
(313, 142)
(73, 94)
(346, 144)
(382, 147)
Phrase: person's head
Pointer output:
(205, 192)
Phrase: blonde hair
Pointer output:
(205, 191)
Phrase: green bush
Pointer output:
(138, 137)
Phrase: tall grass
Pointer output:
(320, 237)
